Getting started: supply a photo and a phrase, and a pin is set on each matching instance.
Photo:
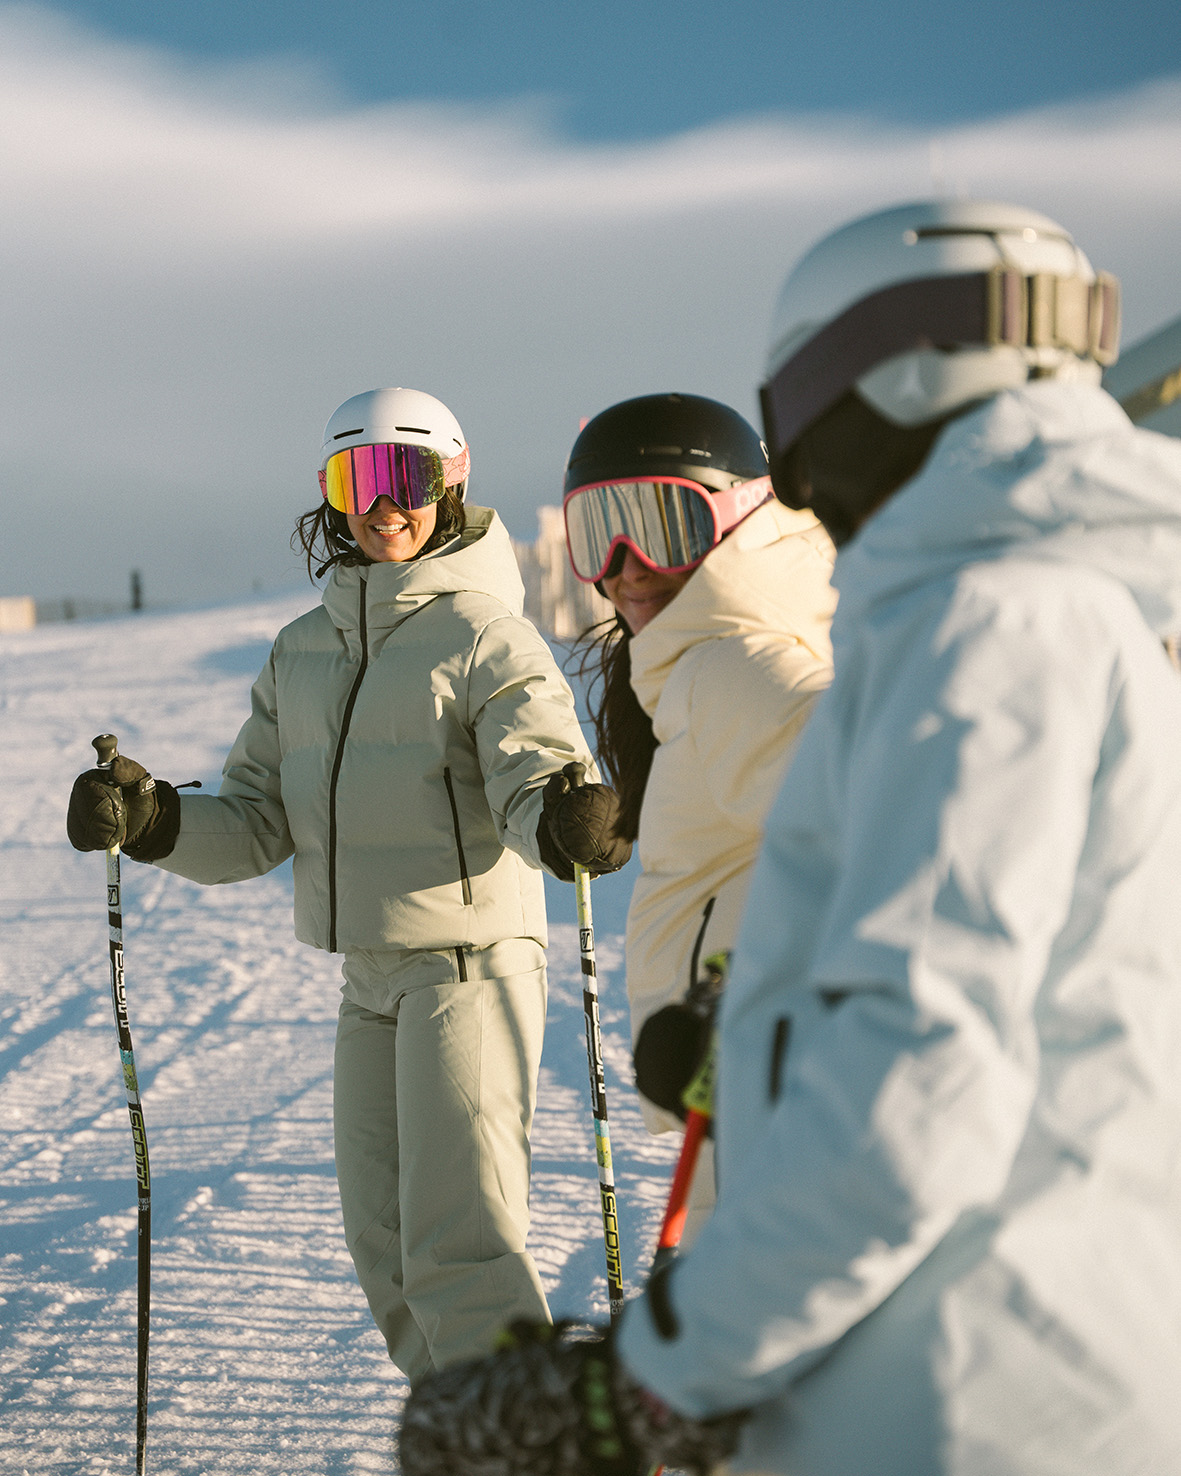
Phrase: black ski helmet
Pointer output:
(669, 435)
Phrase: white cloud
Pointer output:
(206, 260)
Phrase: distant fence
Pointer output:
(70, 609)
(556, 602)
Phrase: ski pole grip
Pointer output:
(575, 772)
(106, 745)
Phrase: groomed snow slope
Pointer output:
(263, 1355)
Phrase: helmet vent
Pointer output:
(418, 430)
(693, 451)
(929, 233)
(340, 435)
(662, 451)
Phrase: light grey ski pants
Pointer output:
(433, 1100)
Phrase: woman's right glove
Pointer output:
(674, 1042)
(578, 825)
(123, 806)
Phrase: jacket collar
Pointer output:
(761, 579)
(480, 561)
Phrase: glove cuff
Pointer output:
(552, 858)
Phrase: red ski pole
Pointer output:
(673, 1226)
(699, 1104)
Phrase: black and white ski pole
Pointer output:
(106, 746)
(598, 1086)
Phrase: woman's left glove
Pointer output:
(578, 825)
(123, 806)
(555, 1402)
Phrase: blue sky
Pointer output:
(220, 222)
(643, 68)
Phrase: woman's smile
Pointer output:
(640, 593)
(388, 533)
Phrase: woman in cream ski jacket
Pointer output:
(726, 657)
(399, 744)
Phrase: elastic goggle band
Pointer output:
(998, 308)
(414, 476)
(670, 524)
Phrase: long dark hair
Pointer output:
(323, 534)
(624, 738)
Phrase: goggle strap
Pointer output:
(739, 501)
(457, 469)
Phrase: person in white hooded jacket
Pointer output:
(411, 743)
(708, 673)
(949, 1117)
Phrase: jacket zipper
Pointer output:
(467, 889)
(346, 719)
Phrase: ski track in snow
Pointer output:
(263, 1355)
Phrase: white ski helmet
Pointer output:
(399, 416)
(927, 307)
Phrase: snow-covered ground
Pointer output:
(263, 1355)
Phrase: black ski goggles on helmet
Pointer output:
(414, 476)
(669, 523)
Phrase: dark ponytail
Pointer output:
(623, 730)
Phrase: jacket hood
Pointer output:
(480, 561)
(770, 576)
(1054, 471)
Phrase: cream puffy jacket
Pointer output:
(727, 672)
(398, 741)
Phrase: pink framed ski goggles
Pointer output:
(414, 476)
(669, 523)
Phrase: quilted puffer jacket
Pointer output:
(398, 741)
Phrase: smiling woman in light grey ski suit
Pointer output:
(406, 743)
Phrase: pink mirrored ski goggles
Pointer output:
(669, 524)
(414, 476)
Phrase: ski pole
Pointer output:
(698, 1101)
(696, 1127)
(106, 746)
(598, 1083)
(677, 1208)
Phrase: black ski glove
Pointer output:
(557, 1402)
(578, 824)
(123, 806)
(670, 1048)
(673, 1043)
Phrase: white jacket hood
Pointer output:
(1057, 468)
